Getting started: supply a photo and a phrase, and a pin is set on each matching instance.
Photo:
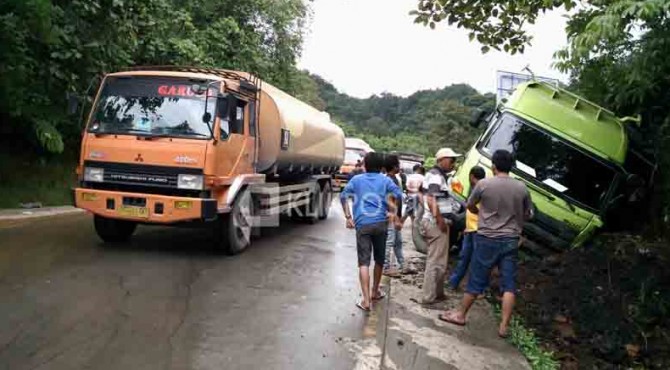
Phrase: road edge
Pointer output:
(24, 214)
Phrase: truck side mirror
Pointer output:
(207, 117)
(72, 104)
(478, 116)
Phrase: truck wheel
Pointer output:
(326, 200)
(113, 231)
(233, 230)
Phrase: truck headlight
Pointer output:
(191, 182)
(93, 174)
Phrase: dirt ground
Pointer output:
(605, 306)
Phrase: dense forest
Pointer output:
(420, 123)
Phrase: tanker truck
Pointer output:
(355, 150)
(206, 147)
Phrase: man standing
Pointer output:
(370, 217)
(435, 227)
(504, 206)
(394, 233)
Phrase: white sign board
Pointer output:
(506, 82)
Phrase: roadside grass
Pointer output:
(26, 178)
(525, 340)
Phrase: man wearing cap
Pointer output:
(435, 227)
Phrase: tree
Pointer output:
(52, 49)
(494, 24)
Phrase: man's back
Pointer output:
(504, 203)
(369, 191)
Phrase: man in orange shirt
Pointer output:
(476, 173)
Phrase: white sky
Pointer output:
(367, 47)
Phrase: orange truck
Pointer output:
(194, 146)
(355, 150)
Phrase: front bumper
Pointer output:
(149, 208)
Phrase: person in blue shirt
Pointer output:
(374, 201)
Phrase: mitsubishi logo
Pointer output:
(139, 158)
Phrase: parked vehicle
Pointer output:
(409, 160)
(176, 145)
(355, 150)
(570, 153)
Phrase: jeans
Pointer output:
(393, 243)
(464, 258)
(490, 252)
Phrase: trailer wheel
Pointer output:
(113, 231)
(233, 230)
(309, 212)
(326, 200)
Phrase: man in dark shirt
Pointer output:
(504, 206)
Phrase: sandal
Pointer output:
(450, 318)
(380, 295)
(360, 305)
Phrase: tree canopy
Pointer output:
(52, 49)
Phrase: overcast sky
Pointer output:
(367, 47)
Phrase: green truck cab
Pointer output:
(570, 153)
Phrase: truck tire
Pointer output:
(233, 230)
(326, 200)
(113, 231)
(309, 212)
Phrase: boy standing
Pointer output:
(476, 173)
(394, 233)
(369, 191)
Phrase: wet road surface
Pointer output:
(165, 301)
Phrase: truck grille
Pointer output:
(152, 179)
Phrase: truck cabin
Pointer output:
(569, 152)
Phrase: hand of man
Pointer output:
(442, 224)
(350, 223)
(398, 223)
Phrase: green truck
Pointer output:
(571, 154)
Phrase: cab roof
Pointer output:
(573, 118)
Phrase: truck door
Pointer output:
(236, 150)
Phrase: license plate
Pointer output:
(139, 212)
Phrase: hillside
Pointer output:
(421, 122)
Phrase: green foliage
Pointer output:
(494, 24)
(527, 342)
(51, 49)
(420, 123)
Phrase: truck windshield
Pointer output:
(551, 162)
(152, 106)
(351, 156)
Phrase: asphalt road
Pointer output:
(164, 301)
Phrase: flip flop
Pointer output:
(503, 336)
(360, 305)
(380, 295)
(449, 318)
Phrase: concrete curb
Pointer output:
(23, 214)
